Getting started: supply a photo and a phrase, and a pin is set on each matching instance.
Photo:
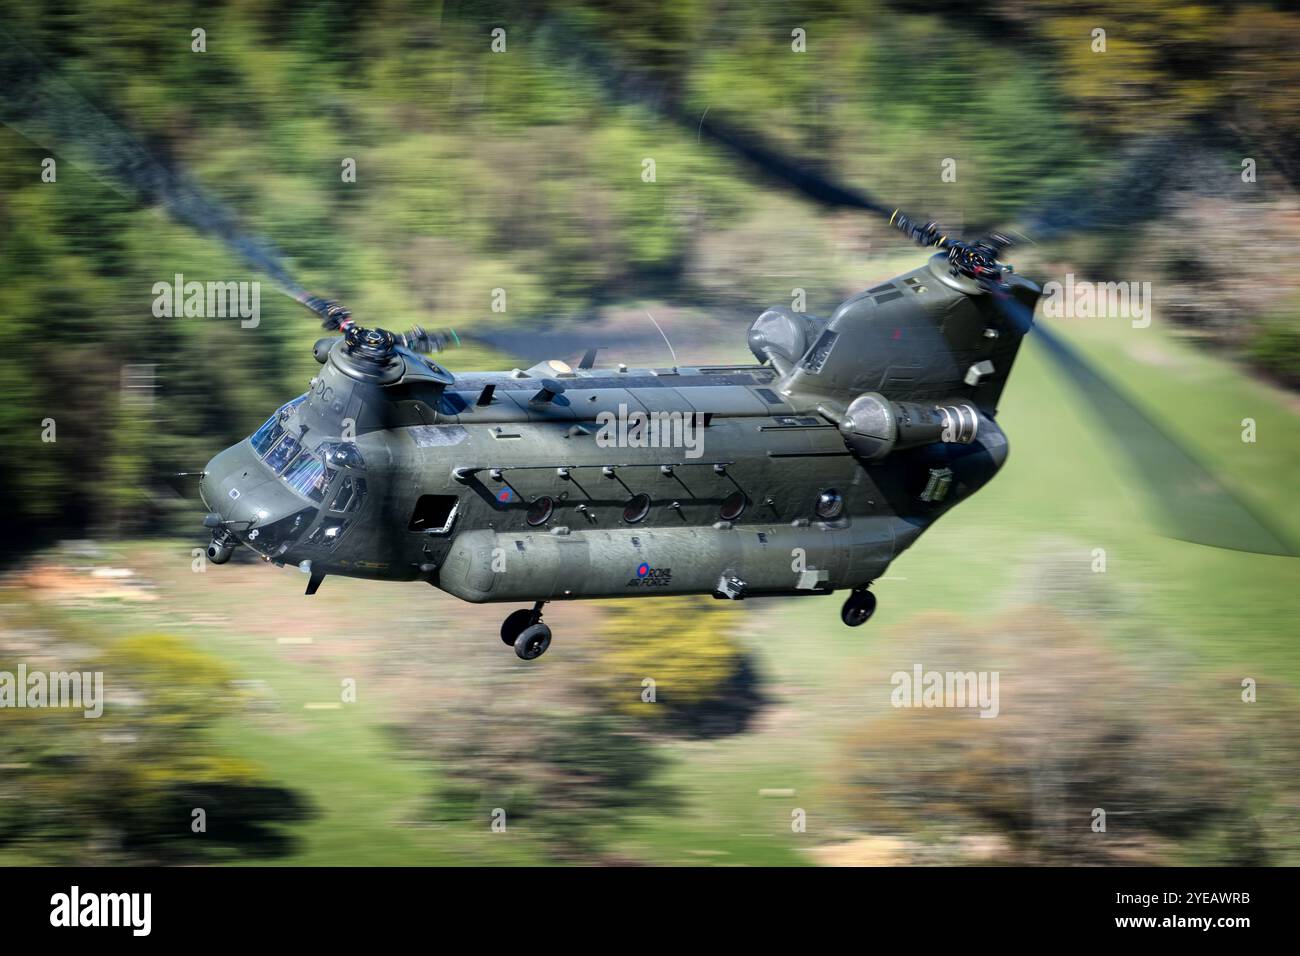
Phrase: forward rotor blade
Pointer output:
(47, 110)
(565, 40)
(802, 179)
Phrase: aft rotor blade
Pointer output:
(1132, 190)
(1190, 502)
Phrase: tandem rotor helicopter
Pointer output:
(821, 462)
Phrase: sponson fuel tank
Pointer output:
(489, 566)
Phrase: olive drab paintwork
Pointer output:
(882, 414)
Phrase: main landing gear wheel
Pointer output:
(533, 641)
(858, 608)
(515, 623)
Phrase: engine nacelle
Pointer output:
(782, 336)
(873, 426)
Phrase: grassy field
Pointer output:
(1198, 613)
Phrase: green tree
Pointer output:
(124, 788)
(678, 666)
(575, 783)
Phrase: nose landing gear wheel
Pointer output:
(858, 608)
(533, 641)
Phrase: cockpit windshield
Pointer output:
(282, 453)
(273, 429)
(286, 448)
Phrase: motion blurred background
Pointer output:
(1122, 653)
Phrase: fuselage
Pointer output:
(555, 483)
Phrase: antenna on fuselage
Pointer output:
(666, 342)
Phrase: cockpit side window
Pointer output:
(341, 453)
(351, 493)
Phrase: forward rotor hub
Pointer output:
(372, 345)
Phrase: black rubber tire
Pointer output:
(858, 608)
(532, 642)
(515, 623)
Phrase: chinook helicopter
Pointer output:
(818, 464)
(815, 467)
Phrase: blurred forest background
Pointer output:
(478, 170)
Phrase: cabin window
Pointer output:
(830, 505)
(278, 535)
(433, 514)
(539, 512)
(733, 506)
(637, 507)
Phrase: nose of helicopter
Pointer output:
(250, 502)
(229, 481)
